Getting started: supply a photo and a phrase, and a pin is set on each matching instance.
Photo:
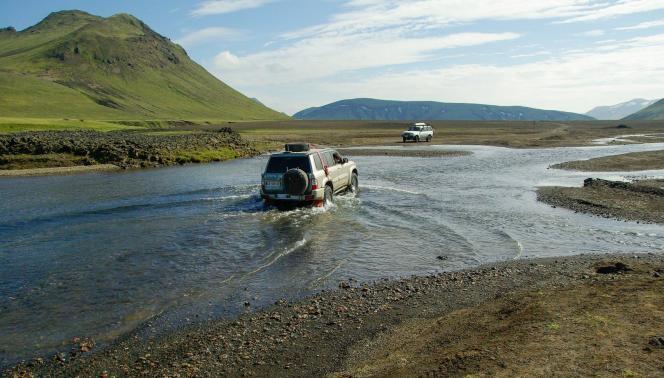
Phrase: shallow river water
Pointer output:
(95, 255)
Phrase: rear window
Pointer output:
(280, 164)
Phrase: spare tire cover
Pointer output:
(295, 182)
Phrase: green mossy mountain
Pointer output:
(78, 65)
(372, 109)
(654, 112)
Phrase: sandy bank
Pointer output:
(636, 161)
(57, 170)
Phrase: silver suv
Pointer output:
(418, 132)
(304, 176)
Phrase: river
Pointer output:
(96, 255)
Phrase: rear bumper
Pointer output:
(316, 195)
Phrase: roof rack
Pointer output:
(297, 147)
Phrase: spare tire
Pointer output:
(295, 182)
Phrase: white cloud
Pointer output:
(364, 49)
(211, 7)
(209, 34)
(619, 8)
(574, 82)
(594, 33)
(530, 55)
(643, 25)
(323, 56)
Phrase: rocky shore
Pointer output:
(597, 314)
(123, 149)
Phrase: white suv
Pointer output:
(304, 176)
(418, 132)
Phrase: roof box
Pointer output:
(297, 147)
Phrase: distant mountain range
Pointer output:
(74, 64)
(620, 111)
(373, 109)
(653, 112)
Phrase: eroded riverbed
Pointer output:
(95, 255)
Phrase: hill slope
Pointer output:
(619, 111)
(372, 109)
(651, 113)
(74, 64)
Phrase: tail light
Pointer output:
(314, 182)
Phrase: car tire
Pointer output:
(404, 139)
(429, 138)
(328, 197)
(417, 139)
(354, 186)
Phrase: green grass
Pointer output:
(204, 156)
(171, 132)
(652, 112)
(16, 124)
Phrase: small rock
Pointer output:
(656, 342)
(344, 285)
(656, 274)
(613, 269)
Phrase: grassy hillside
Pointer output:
(372, 109)
(653, 112)
(619, 111)
(76, 65)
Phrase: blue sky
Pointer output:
(291, 54)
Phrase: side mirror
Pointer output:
(345, 160)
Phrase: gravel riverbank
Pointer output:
(401, 152)
(57, 170)
(598, 314)
(641, 200)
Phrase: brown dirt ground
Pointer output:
(634, 202)
(596, 328)
(516, 134)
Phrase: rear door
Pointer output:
(343, 176)
(332, 168)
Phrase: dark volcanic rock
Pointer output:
(125, 149)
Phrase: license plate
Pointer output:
(272, 184)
